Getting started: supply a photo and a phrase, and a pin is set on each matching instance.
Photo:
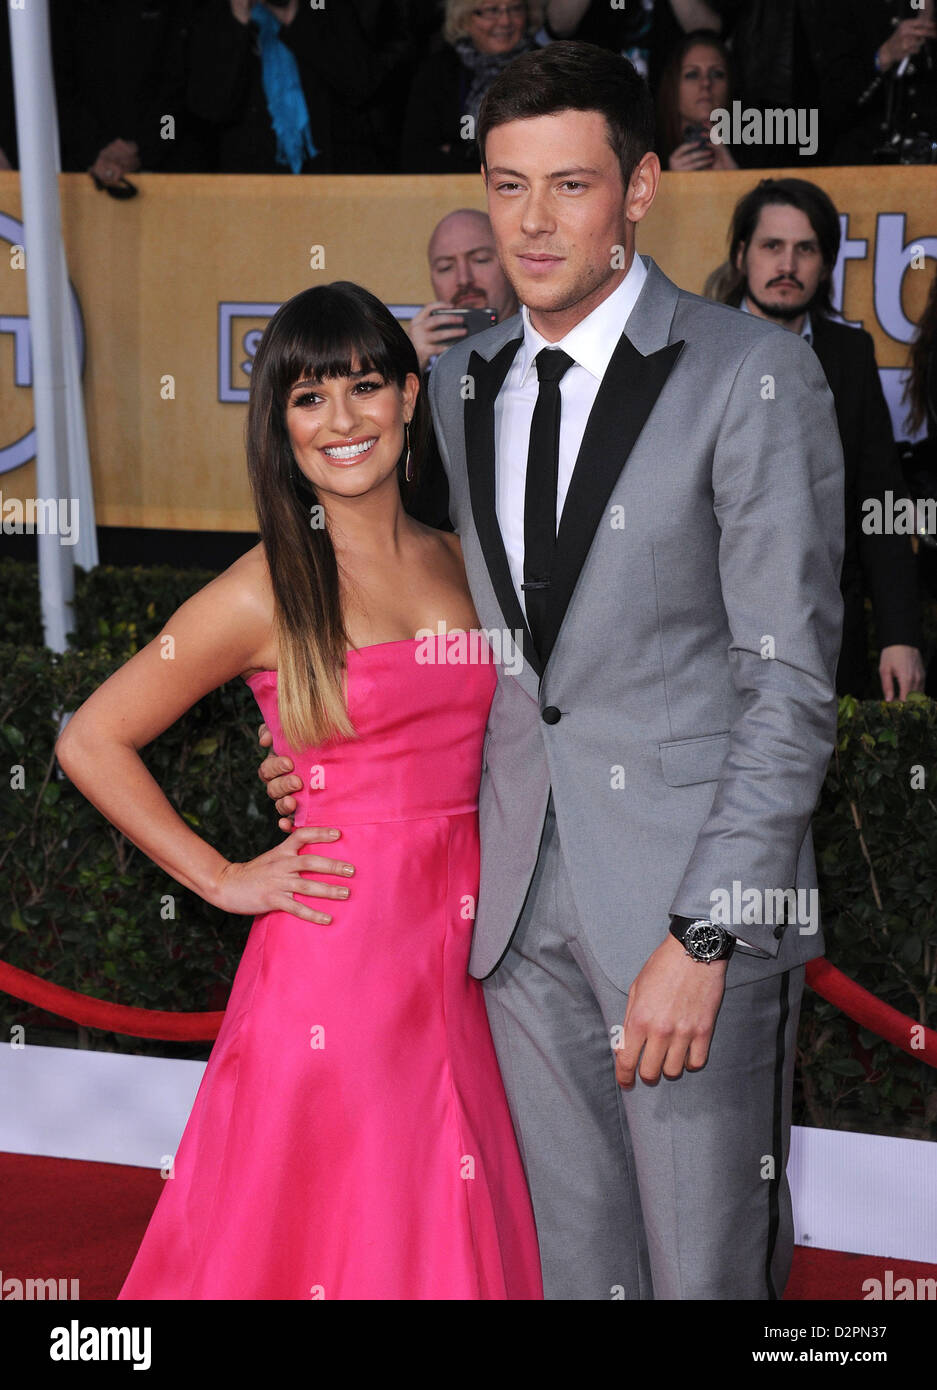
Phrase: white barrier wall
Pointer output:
(854, 1192)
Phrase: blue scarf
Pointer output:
(283, 90)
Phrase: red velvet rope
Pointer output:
(98, 1013)
(861, 1006)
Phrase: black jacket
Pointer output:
(432, 140)
(881, 568)
(119, 69)
(351, 56)
(780, 54)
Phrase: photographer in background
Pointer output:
(468, 281)
(466, 275)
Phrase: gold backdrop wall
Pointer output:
(172, 283)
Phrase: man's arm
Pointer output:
(778, 498)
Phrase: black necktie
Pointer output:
(540, 491)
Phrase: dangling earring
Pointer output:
(406, 471)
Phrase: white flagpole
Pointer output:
(65, 500)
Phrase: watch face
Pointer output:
(704, 940)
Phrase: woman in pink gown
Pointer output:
(350, 1138)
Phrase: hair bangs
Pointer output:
(325, 333)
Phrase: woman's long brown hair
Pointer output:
(324, 332)
(923, 346)
(669, 121)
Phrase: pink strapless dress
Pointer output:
(351, 1138)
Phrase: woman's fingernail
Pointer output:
(343, 892)
(348, 868)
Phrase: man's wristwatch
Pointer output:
(703, 940)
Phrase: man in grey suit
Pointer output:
(648, 491)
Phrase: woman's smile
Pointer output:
(351, 452)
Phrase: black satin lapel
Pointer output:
(625, 399)
(479, 418)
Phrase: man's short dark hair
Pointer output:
(817, 207)
(574, 76)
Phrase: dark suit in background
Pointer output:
(880, 567)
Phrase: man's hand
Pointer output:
(275, 770)
(429, 331)
(672, 1008)
(902, 667)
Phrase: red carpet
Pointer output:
(63, 1219)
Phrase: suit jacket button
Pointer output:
(550, 715)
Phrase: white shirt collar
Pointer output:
(806, 330)
(594, 339)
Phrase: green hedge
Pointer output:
(876, 838)
(82, 906)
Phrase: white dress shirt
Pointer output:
(590, 344)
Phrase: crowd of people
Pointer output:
(371, 86)
(385, 86)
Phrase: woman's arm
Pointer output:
(210, 639)
(695, 14)
(564, 16)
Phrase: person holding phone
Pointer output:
(696, 82)
(472, 292)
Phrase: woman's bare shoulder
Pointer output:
(453, 542)
(247, 582)
(449, 540)
(236, 610)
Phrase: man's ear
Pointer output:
(740, 257)
(642, 188)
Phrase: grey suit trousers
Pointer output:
(668, 1191)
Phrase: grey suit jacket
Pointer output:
(688, 671)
